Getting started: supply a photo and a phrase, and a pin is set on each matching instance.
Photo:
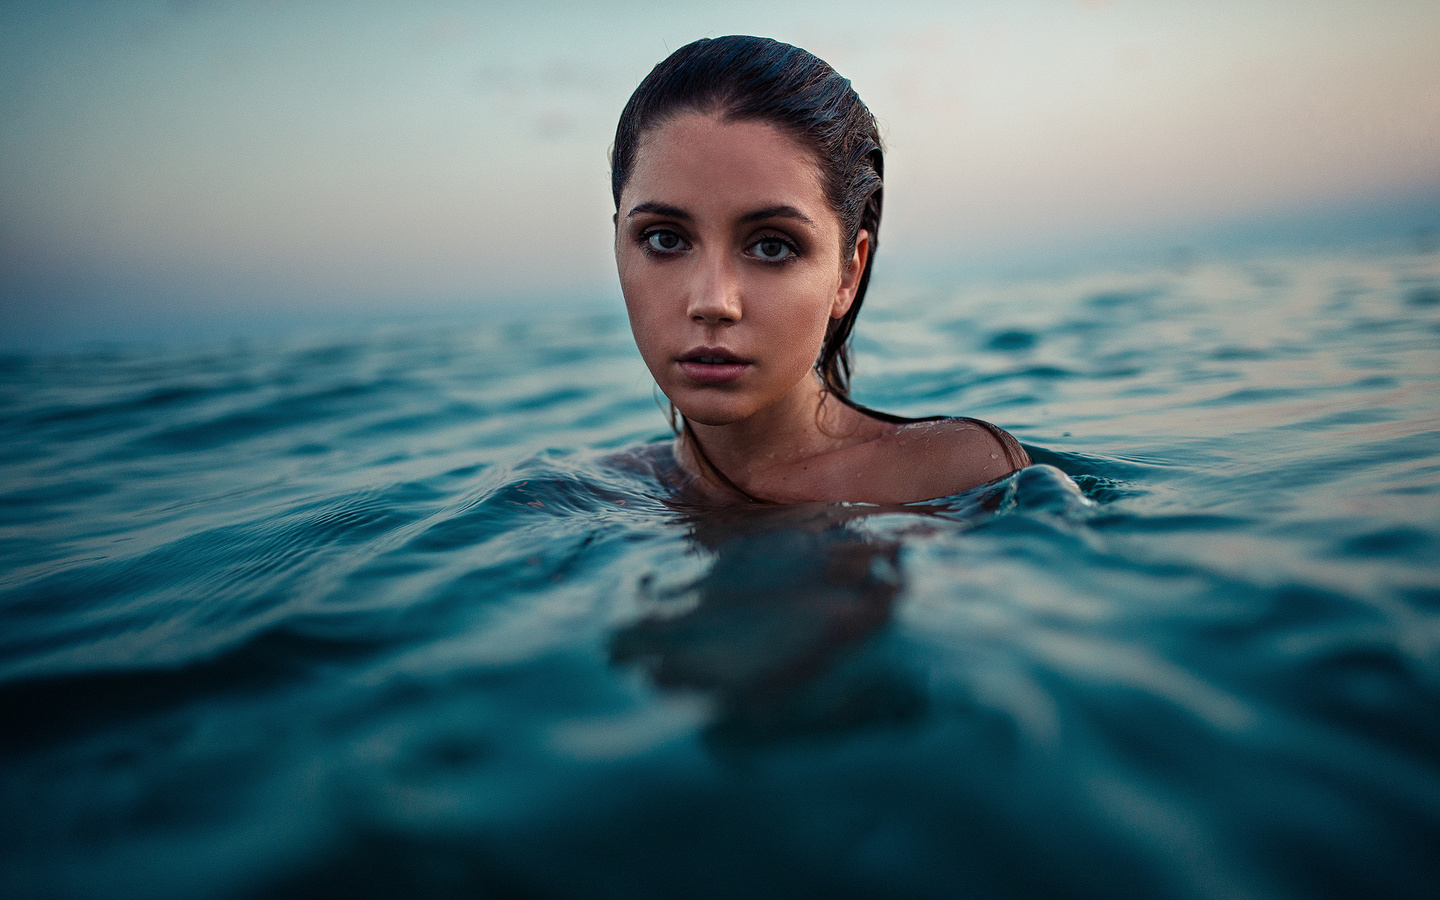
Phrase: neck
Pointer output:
(755, 453)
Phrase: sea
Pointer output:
(412, 610)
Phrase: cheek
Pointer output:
(804, 318)
(802, 333)
(646, 318)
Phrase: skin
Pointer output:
(727, 249)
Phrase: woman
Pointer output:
(748, 179)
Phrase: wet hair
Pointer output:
(758, 79)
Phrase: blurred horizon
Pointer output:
(174, 169)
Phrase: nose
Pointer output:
(715, 292)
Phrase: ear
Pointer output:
(850, 274)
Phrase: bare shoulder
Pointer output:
(945, 456)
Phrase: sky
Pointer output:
(168, 168)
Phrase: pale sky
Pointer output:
(184, 161)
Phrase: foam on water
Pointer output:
(386, 615)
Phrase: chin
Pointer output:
(709, 420)
(709, 413)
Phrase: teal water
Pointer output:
(384, 614)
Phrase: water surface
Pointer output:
(381, 615)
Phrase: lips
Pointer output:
(712, 365)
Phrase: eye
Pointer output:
(663, 241)
(772, 249)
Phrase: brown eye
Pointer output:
(663, 241)
(772, 249)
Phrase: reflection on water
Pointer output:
(780, 629)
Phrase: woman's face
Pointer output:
(730, 262)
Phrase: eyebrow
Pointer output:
(674, 212)
(777, 212)
(659, 209)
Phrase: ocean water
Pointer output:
(383, 614)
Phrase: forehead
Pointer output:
(705, 157)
